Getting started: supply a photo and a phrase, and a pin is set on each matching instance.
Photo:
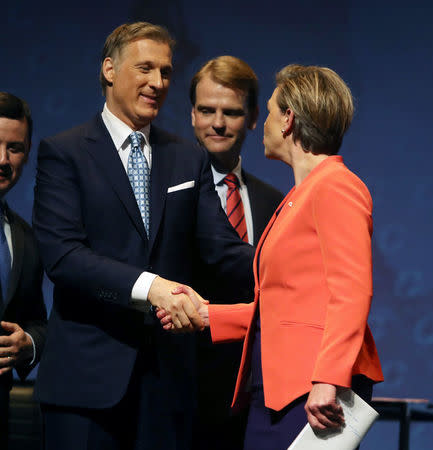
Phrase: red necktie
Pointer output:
(235, 208)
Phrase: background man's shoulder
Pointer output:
(266, 189)
(16, 219)
(93, 128)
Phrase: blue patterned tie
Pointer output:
(5, 257)
(139, 177)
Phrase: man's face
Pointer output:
(140, 78)
(14, 151)
(220, 117)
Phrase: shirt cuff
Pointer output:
(34, 348)
(141, 287)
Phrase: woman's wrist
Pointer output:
(204, 314)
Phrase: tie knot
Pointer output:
(136, 139)
(231, 180)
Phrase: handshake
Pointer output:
(178, 307)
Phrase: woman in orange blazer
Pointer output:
(306, 332)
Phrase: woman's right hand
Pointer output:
(323, 411)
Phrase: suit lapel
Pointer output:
(18, 237)
(256, 207)
(162, 167)
(259, 249)
(263, 238)
(100, 145)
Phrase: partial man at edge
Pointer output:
(22, 309)
(224, 97)
(121, 208)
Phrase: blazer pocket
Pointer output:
(288, 323)
(182, 186)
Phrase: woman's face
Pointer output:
(273, 139)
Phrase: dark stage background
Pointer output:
(49, 55)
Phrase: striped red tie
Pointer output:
(235, 208)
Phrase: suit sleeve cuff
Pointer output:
(141, 287)
(34, 349)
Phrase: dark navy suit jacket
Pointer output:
(24, 304)
(94, 247)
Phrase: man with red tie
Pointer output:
(223, 94)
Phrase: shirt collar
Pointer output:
(118, 129)
(218, 177)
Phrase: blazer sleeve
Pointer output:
(58, 224)
(229, 323)
(35, 323)
(342, 209)
(29, 309)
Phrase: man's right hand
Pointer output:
(183, 314)
(200, 304)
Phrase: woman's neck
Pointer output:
(303, 163)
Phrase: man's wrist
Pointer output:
(141, 288)
(140, 293)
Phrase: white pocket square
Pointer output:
(179, 187)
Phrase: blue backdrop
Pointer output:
(50, 56)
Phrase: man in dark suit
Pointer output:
(121, 209)
(22, 309)
(223, 94)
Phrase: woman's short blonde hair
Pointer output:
(322, 105)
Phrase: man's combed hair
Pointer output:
(13, 107)
(230, 72)
(130, 32)
(322, 105)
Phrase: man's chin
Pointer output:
(218, 150)
(147, 114)
(218, 147)
(145, 119)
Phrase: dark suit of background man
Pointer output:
(224, 98)
(22, 309)
(111, 377)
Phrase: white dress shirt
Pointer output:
(8, 234)
(222, 188)
(119, 133)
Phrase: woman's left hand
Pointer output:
(322, 409)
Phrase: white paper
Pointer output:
(359, 417)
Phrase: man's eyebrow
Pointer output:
(234, 110)
(199, 106)
(149, 62)
(17, 145)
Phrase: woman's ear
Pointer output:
(289, 117)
